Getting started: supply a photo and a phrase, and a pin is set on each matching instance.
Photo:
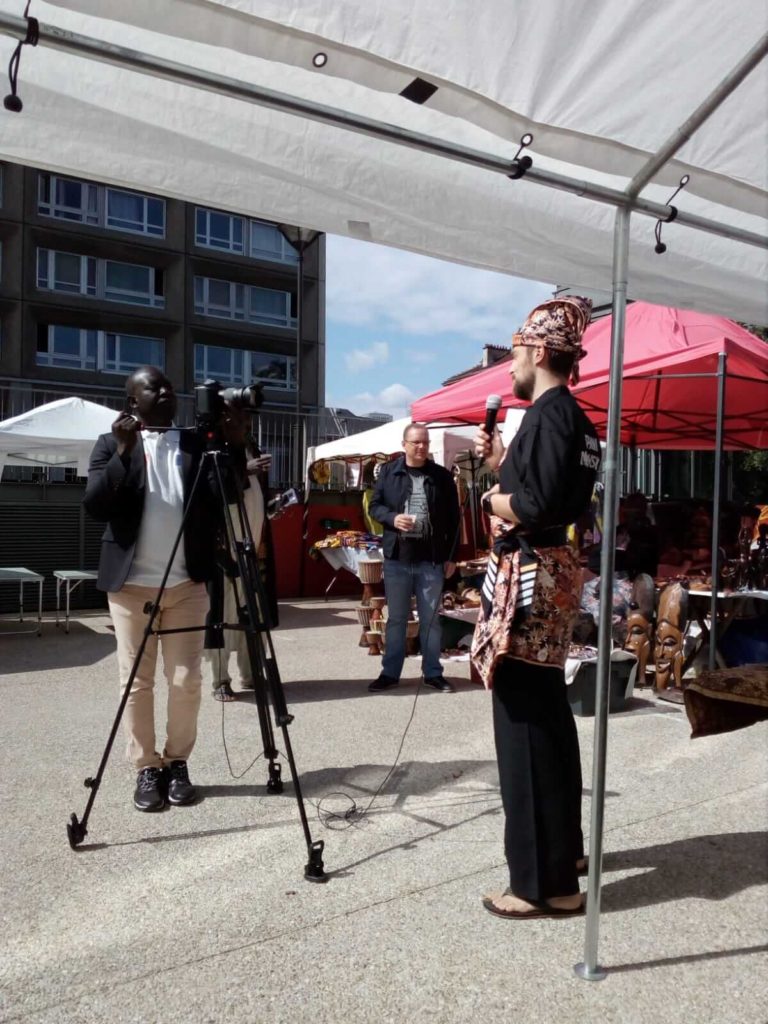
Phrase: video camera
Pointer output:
(211, 398)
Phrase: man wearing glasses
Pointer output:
(415, 501)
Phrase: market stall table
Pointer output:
(71, 578)
(358, 553)
(731, 604)
(17, 574)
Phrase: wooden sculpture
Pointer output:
(670, 630)
(640, 622)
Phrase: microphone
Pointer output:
(492, 406)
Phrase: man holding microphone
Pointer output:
(530, 599)
(415, 501)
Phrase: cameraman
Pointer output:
(139, 482)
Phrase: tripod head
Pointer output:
(213, 402)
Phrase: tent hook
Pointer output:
(521, 164)
(12, 101)
(660, 248)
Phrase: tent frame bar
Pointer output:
(686, 130)
(589, 969)
(72, 42)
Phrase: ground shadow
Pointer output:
(711, 867)
(306, 691)
(55, 649)
(315, 616)
(689, 958)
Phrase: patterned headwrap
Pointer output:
(558, 324)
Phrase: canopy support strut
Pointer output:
(589, 968)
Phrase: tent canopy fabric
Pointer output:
(473, 76)
(445, 444)
(61, 433)
(669, 396)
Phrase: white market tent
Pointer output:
(399, 123)
(445, 443)
(61, 433)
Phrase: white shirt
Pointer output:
(163, 512)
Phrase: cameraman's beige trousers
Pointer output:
(181, 606)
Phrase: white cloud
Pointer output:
(360, 359)
(374, 286)
(421, 357)
(395, 399)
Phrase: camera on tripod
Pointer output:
(211, 400)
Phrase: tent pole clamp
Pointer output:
(660, 248)
(520, 164)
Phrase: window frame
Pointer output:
(98, 361)
(203, 239)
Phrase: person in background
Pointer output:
(521, 641)
(415, 501)
(217, 658)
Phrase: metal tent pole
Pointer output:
(159, 67)
(589, 968)
(721, 368)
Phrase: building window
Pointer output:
(274, 370)
(238, 367)
(222, 364)
(133, 283)
(130, 211)
(223, 299)
(222, 231)
(69, 199)
(66, 272)
(269, 243)
(77, 348)
(68, 347)
(103, 279)
(267, 306)
(228, 232)
(232, 301)
(124, 353)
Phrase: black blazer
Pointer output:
(114, 494)
(389, 496)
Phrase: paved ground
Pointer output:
(201, 914)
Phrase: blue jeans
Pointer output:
(401, 580)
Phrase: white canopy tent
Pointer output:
(600, 88)
(445, 443)
(61, 433)
(399, 122)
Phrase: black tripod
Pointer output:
(253, 618)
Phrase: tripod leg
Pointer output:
(263, 662)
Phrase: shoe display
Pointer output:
(439, 683)
(180, 789)
(382, 683)
(148, 795)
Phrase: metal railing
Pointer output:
(275, 430)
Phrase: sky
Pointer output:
(398, 324)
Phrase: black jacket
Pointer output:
(114, 494)
(392, 490)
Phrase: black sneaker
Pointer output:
(148, 795)
(439, 683)
(382, 683)
(180, 789)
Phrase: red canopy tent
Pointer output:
(672, 360)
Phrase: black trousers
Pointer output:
(537, 748)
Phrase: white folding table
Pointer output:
(17, 574)
(71, 578)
